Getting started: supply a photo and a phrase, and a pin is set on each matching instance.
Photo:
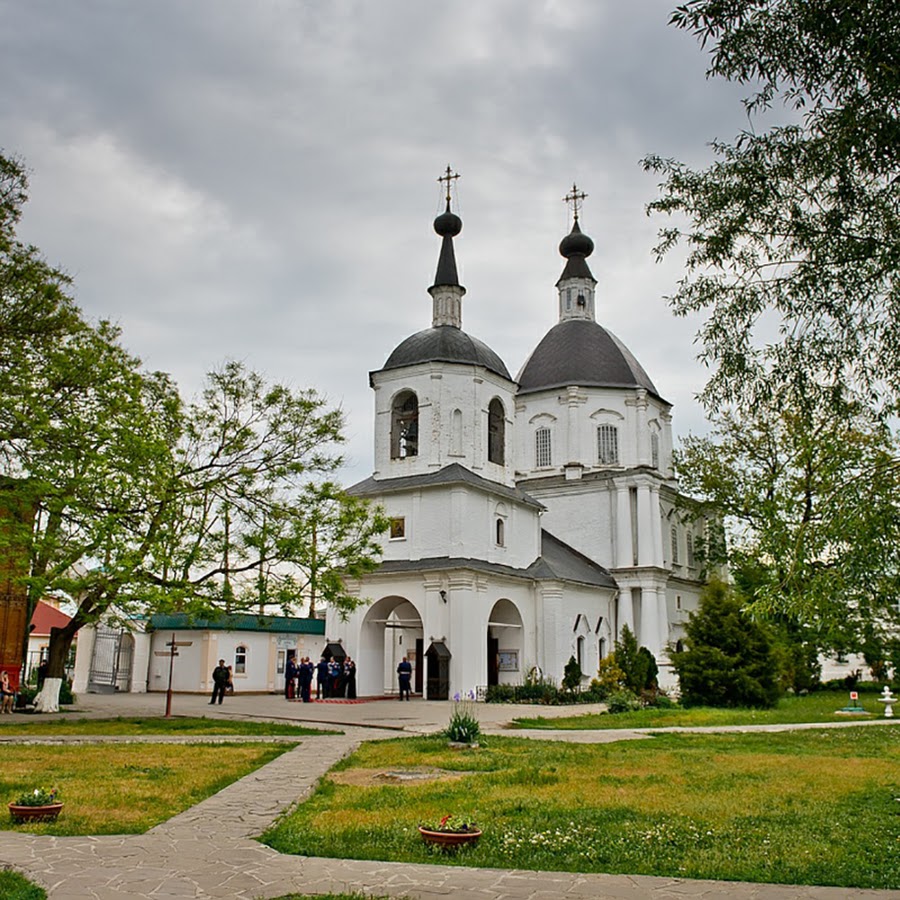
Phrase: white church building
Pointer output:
(531, 517)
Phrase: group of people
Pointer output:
(334, 679)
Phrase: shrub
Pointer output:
(464, 726)
(728, 660)
(637, 664)
(623, 701)
(572, 675)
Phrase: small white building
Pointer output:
(137, 658)
(531, 518)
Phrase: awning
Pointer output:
(334, 651)
(439, 649)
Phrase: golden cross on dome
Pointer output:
(449, 176)
(576, 198)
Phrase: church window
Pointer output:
(608, 445)
(542, 454)
(579, 650)
(674, 545)
(679, 646)
(678, 601)
(690, 549)
(398, 528)
(500, 533)
(602, 648)
(456, 433)
(496, 433)
(405, 426)
(568, 298)
(654, 449)
(240, 660)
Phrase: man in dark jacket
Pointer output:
(404, 677)
(220, 680)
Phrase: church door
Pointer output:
(493, 660)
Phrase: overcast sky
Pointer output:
(257, 179)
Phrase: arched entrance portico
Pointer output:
(391, 629)
(505, 644)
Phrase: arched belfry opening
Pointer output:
(405, 425)
(496, 432)
(391, 629)
(505, 644)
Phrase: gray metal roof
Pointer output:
(445, 343)
(557, 562)
(582, 353)
(237, 622)
(452, 474)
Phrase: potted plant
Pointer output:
(450, 832)
(38, 805)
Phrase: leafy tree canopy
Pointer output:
(794, 231)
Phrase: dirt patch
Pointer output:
(375, 777)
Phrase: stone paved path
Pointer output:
(209, 852)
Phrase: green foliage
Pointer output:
(609, 677)
(464, 727)
(728, 660)
(572, 675)
(797, 223)
(623, 701)
(116, 492)
(637, 664)
(810, 496)
(38, 797)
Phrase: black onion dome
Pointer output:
(445, 343)
(576, 242)
(582, 353)
(448, 224)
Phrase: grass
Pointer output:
(124, 788)
(819, 706)
(14, 886)
(154, 725)
(811, 807)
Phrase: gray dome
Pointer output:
(581, 352)
(445, 343)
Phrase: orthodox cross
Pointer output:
(576, 198)
(449, 177)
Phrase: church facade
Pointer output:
(531, 518)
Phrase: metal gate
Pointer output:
(111, 661)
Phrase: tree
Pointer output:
(728, 660)
(811, 501)
(123, 498)
(794, 231)
(637, 663)
(572, 675)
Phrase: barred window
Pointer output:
(674, 546)
(690, 549)
(542, 454)
(608, 445)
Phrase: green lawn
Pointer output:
(811, 807)
(820, 706)
(15, 887)
(153, 725)
(123, 788)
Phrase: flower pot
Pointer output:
(34, 813)
(449, 838)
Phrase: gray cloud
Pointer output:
(257, 180)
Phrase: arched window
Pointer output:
(500, 533)
(608, 445)
(240, 659)
(542, 454)
(405, 426)
(496, 433)
(579, 650)
(602, 648)
(690, 549)
(654, 449)
(674, 545)
(456, 433)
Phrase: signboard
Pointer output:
(508, 660)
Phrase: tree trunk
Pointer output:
(61, 639)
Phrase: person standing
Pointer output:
(290, 673)
(350, 678)
(305, 677)
(404, 676)
(321, 678)
(220, 676)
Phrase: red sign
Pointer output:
(854, 695)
